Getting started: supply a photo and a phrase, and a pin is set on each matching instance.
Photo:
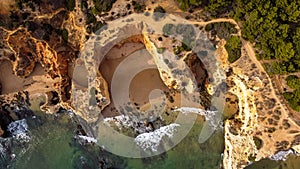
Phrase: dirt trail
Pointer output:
(250, 52)
(269, 92)
(232, 21)
(252, 56)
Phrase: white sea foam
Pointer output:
(19, 130)
(208, 114)
(88, 139)
(151, 140)
(120, 121)
(18, 127)
(281, 155)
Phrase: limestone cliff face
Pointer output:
(49, 36)
(13, 108)
(36, 39)
(56, 36)
(262, 127)
(174, 71)
(29, 51)
(239, 144)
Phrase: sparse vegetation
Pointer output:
(161, 50)
(187, 4)
(271, 129)
(97, 26)
(251, 157)
(159, 9)
(185, 47)
(90, 18)
(84, 5)
(103, 5)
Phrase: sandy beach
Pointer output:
(141, 86)
(37, 82)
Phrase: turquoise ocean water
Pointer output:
(52, 146)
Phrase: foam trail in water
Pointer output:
(281, 155)
(151, 140)
(88, 139)
(208, 114)
(119, 121)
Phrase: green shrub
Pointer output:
(275, 68)
(64, 35)
(293, 98)
(233, 47)
(70, 5)
(258, 142)
(293, 82)
(137, 7)
(223, 29)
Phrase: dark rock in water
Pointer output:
(0, 88)
(5, 120)
(14, 109)
(54, 98)
(24, 113)
(80, 130)
(158, 123)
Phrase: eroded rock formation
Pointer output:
(52, 34)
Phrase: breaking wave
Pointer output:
(19, 130)
(151, 140)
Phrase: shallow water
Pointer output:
(292, 162)
(188, 153)
(52, 146)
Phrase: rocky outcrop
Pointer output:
(52, 34)
(29, 51)
(174, 71)
(13, 108)
(239, 144)
(262, 128)
(44, 36)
